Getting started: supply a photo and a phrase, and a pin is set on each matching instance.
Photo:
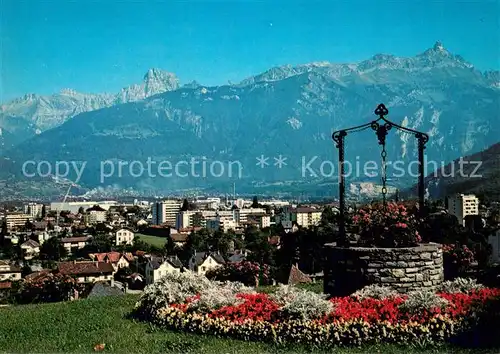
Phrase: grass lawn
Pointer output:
(152, 240)
(78, 326)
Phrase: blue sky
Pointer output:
(101, 46)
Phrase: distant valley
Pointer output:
(288, 111)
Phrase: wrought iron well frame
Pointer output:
(381, 126)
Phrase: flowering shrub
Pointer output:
(301, 304)
(172, 289)
(48, 287)
(293, 315)
(460, 285)
(418, 301)
(246, 272)
(375, 291)
(392, 226)
(218, 295)
(458, 255)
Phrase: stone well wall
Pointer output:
(348, 269)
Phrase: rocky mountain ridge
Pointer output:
(285, 111)
(33, 114)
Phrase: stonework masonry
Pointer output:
(348, 269)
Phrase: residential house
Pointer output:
(179, 239)
(141, 223)
(30, 249)
(41, 236)
(40, 226)
(239, 256)
(75, 243)
(87, 271)
(9, 272)
(117, 259)
(124, 236)
(158, 267)
(201, 262)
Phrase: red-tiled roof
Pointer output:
(113, 257)
(81, 268)
(179, 237)
(31, 243)
(76, 239)
(128, 256)
(5, 285)
(35, 275)
(97, 256)
(189, 229)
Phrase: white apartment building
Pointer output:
(33, 209)
(241, 215)
(221, 223)
(14, 220)
(165, 212)
(462, 205)
(305, 217)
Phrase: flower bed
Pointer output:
(293, 315)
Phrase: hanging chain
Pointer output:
(383, 154)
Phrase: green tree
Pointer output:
(81, 211)
(52, 250)
(185, 205)
(44, 211)
(255, 202)
(170, 248)
(100, 243)
(198, 241)
(258, 244)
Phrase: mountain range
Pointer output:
(33, 114)
(479, 174)
(289, 111)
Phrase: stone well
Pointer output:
(348, 269)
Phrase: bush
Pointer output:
(375, 292)
(460, 285)
(48, 287)
(422, 300)
(301, 304)
(392, 226)
(218, 295)
(173, 288)
(457, 258)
